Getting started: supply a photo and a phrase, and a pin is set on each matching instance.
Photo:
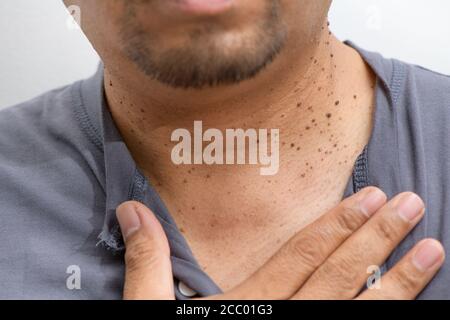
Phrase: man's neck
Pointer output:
(299, 92)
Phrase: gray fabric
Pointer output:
(64, 168)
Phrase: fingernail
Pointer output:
(410, 207)
(428, 254)
(128, 219)
(372, 201)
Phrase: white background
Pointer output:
(38, 51)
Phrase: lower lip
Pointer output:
(203, 6)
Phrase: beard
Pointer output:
(209, 55)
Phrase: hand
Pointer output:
(326, 260)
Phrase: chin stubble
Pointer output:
(204, 62)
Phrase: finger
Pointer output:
(409, 276)
(289, 268)
(345, 272)
(148, 270)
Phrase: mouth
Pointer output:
(202, 7)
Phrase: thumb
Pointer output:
(148, 274)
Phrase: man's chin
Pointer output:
(205, 53)
(191, 73)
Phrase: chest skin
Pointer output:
(230, 252)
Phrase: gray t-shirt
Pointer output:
(64, 169)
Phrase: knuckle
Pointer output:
(308, 250)
(386, 230)
(406, 281)
(342, 272)
(349, 220)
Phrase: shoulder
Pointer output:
(423, 108)
(43, 150)
(34, 122)
(427, 88)
(423, 104)
(408, 86)
(45, 127)
(426, 78)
